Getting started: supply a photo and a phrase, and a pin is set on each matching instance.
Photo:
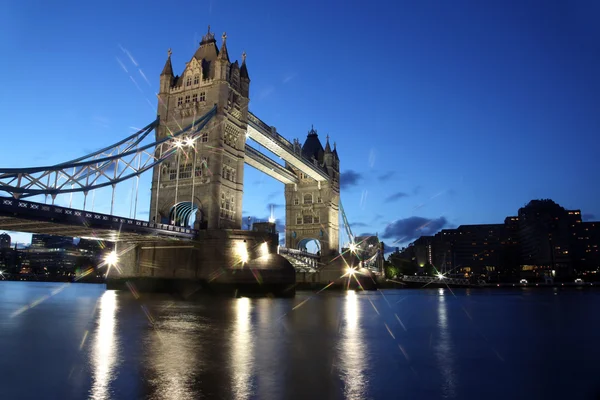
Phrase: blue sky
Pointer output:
(447, 112)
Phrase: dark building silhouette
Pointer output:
(5, 241)
(544, 240)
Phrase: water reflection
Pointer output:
(443, 348)
(242, 347)
(104, 353)
(352, 352)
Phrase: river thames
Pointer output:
(77, 341)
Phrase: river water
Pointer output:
(78, 341)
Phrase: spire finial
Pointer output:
(169, 52)
(334, 145)
(224, 37)
(208, 30)
(327, 137)
(244, 57)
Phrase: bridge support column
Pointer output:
(224, 261)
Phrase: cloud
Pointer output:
(588, 217)
(366, 234)
(266, 92)
(408, 229)
(386, 176)
(349, 178)
(358, 225)
(272, 195)
(395, 196)
(289, 77)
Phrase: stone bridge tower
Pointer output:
(205, 178)
(312, 207)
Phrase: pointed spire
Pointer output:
(168, 69)
(312, 131)
(327, 147)
(223, 55)
(243, 68)
(335, 154)
(209, 37)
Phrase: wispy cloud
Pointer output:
(408, 229)
(349, 179)
(386, 176)
(358, 225)
(396, 196)
(266, 92)
(289, 77)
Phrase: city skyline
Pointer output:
(470, 122)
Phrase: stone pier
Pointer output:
(223, 261)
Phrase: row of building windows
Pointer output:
(228, 173)
(307, 219)
(191, 98)
(227, 206)
(307, 199)
(185, 170)
(196, 80)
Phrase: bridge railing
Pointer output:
(285, 250)
(257, 121)
(16, 207)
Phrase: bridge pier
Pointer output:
(335, 273)
(222, 261)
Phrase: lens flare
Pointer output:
(111, 259)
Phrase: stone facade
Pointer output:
(204, 178)
(312, 207)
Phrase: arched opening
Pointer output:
(310, 245)
(184, 214)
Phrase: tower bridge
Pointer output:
(196, 159)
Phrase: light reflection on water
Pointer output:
(104, 351)
(335, 346)
(242, 347)
(443, 348)
(352, 354)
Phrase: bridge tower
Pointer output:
(205, 178)
(312, 207)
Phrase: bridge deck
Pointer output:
(27, 216)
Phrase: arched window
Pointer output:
(196, 79)
(188, 82)
(308, 198)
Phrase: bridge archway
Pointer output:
(186, 213)
(310, 245)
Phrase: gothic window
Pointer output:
(196, 79)
(227, 175)
(204, 137)
(296, 201)
(202, 96)
(298, 220)
(185, 171)
(187, 99)
(319, 199)
(307, 219)
(198, 170)
(195, 98)
(188, 82)
(179, 101)
(316, 219)
(308, 199)
(172, 174)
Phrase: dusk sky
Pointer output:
(447, 112)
